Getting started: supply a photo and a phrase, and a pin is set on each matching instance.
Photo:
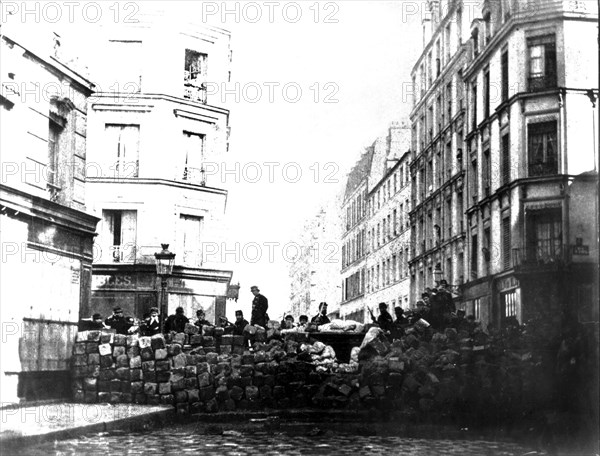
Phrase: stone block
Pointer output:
(162, 366)
(123, 373)
(120, 339)
(208, 341)
(222, 393)
(135, 375)
(80, 360)
(191, 371)
(90, 397)
(211, 350)
(246, 370)
(266, 392)
(258, 379)
(226, 349)
(190, 382)
(152, 399)
(90, 384)
(115, 386)
(206, 393)
(104, 397)
(91, 347)
(148, 366)
(195, 339)
(79, 348)
(226, 339)
(364, 392)
(181, 396)
(160, 354)
(219, 332)
(163, 376)
(150, 388)
(236, 393)
(149, 376)
(93, 336)
(252, 393)
(224, 368)
(125, 386)
(93, 359)
(177, 382)
(164, 388)
(133, 351)
(137, 387)
(237, 350)
(238, 341)
(212, 358)
(107, 374)
(107, 337)
(173, 349)
(180, 338)
(212, 406)
(191, 329)
(118, 351)
(105, 349)
(205, 379)
(93, 370)
(167, 399)
(157, 341)
(135, 362)
(202, 367)
(145, 342)
(208, 331)
(122, 361)
(139, 398)
(179, 361)
(133, 340)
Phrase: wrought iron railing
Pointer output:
(547, 252)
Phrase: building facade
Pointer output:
(314, 275)
(47, 235)
(376, 240)
(530, 171)
(437, 164)
(153, 127)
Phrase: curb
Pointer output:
(129, 424)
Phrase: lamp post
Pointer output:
(164, 269)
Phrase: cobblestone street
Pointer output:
(191, 439)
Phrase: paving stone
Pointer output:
(160, 354)
(157, 341)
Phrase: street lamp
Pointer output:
(164, 269)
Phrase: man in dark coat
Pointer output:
(446, 303)
(93, 324)
(176, 322)
(384, 320)
(118, 321)
(151, 324)
(321, 318)
(400, 323)
(240, 323)
(260, 304)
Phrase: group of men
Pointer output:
(436, 309)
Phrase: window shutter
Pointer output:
(506, 242)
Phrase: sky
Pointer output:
(351, 61)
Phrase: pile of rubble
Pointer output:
(423, 373)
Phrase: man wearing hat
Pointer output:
(176, 322)
(321, 318)
(151, 324)
(117, 321)
(260, 304)
(93, 324)
(201, 320)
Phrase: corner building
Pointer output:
(153, 128)
(530, 176)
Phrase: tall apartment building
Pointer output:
(437, 164)
(152, 128)
(530, 176)
(314, 275)
(376, 241)
(47, 235)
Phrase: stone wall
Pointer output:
(423, 375)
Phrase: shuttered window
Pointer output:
(506, 242)
(505, 159)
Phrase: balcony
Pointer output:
(545, 255)
(194, 175)
(542, 82)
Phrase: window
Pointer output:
(193, 169)
(449, 100)
(486, 171)
(509, 303)
(504, 72)
(487, 240)
(506, 239)
(542, 63)
(474, 181)
(474, 105)
(191, 229)
(544, 236)
(486, 94)
(395, 222)
(123, 142)
(542, 148)
(118, 235)
(475, 36)
(477, 308)
(474, 257)
(505, 159)
(195, 74)
(54, 132)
